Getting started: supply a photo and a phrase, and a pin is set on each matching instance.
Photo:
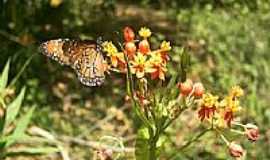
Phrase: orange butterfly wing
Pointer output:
(84, 57)
(54, 50)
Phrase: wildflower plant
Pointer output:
(14, 138)
(159, 99)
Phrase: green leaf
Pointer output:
(161, 144)
(21, 127)
(13, 108)
(32, 151)
(22, 69)
(4, 77)
(142, 144)
(184, 64)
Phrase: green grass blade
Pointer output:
(13, 108)
(4, 77)
(21, 127)
(14, 80)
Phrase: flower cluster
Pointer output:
(220, 113)
(143, 60)
(157, 107)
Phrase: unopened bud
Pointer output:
(144, 46)
(236, 150)
(252, 132)
(129, 35)
(198, 89)
(185, 87)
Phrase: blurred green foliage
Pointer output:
(13, 129)
(229, 42)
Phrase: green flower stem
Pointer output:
(130, 91)
(2, 154)
(172, 120)
(224, 139)
(152, 150)
(2, 102)
(153, 145)
(194, 139)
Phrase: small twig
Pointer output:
(10, 37)
(95, 145)
(43, 133)
(100, 123)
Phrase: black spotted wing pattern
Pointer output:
(85, 57)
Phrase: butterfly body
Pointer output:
(85, 57)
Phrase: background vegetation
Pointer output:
(229, 43)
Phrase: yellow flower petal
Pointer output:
(145, 32)
(110, 48)
(166, 46)
(209, 100)
(236, 91)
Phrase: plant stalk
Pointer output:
(153, 148)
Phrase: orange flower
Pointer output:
(165, 56)
(155, 67)
(206, 112)
(165, 47)
(158, 72)
(228, 117)
(231, 105)
(129, 35)
(138, 65)
(130, 49)
(117, 58)
(208, 106)
(144, 46)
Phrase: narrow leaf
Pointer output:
(21, 127)
(13, 108)
(14, 80)
(4, 77)
(142, 145)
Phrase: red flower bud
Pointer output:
(105, 154)
(130, 49)
(252, 132)
(186, 87)
(198, 89)
(236, 150)
(144, 46)
(129, 35)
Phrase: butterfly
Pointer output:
(84, 56)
